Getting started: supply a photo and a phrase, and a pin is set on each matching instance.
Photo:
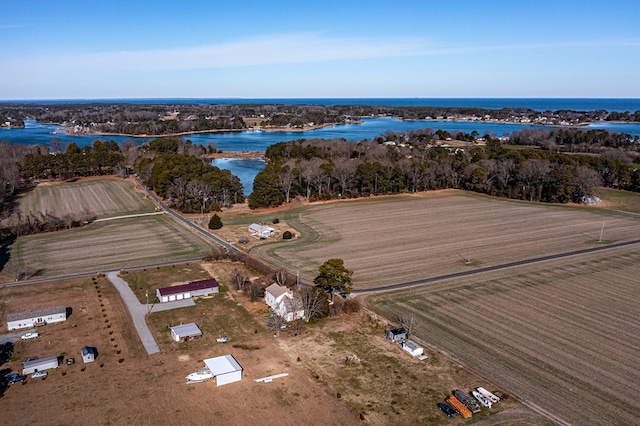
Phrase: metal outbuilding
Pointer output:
(36, 317)
(185, 332)
(225, 369)
(40, 364)
(187, 291)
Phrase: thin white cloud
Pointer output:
(279, 49)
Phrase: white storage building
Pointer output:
(187, 291)
(261, 231)
(36, 317)
(225, 369)
(412, 347)
(185, 332)
(40, 364)
(88, 354)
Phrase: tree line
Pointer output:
(423, 160)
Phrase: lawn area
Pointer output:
(115, 244)
(559, 335)
(620, 200)
(398, 239)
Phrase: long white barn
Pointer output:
(36, 317)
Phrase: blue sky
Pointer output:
(292, 49)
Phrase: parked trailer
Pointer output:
(467, 401)
(459, 406)
(494, 399)
(39, 364)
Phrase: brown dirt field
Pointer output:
(102, 197)
(403, 238)
(562, 335)
(147, 389)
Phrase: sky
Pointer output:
(319, 49)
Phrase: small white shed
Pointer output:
(225, 369)
(88, 354)
(185, 332)
(413, 348)
(39, 364)
(261, 231)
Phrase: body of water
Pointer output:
(369, 128)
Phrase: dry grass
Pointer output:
(103, 197)
(144, 389)
(117, 244)
(404, 238)
(561, 335)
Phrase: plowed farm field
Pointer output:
(562, 335)
(114, 244)
(100, 197)
(398, 239)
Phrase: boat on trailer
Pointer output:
(494, 399)
(203, 375)
(484, 401)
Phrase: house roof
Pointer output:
(222, 364)
(33, 313)
(191, 286)
(87, 350)
(411, 345)
(190, 329)
(39, 361)
(276, 290)
(396, 331)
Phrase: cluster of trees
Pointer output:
(188, 183)
(596, 141)
(422, 161)
(103, 158)
(20, 223)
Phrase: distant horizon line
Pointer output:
(312, 97)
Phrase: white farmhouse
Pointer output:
(283, 302)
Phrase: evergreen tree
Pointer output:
(215, 222)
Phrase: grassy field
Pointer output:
(116, 244)
(398, 239)
(563, 336)
(100, 197)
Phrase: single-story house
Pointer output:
(36, 317)
(396, 334)
(88, 354)
(412, 347)
(225, 369)
(283, 302)
(261, 231)
(40, 364)
(184, 332)
(187, 291)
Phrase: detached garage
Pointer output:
(184, 332)
(187, 291)
(225, 369)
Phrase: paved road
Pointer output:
(495, 267)
(184, 220)
(137, 310)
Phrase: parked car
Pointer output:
(70, 361)
(28, 336)
(448, 410)
(14, 377)
(39, 374)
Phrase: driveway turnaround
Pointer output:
(137, 310)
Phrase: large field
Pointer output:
(114, 244)
(398, 239)
(563, 335)
(103, 197)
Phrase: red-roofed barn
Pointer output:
(187, 291)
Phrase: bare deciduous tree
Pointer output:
(314, 303)
(256, 290)
(240, 279)
(280, 277)
(275, 323)
(409, 322)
